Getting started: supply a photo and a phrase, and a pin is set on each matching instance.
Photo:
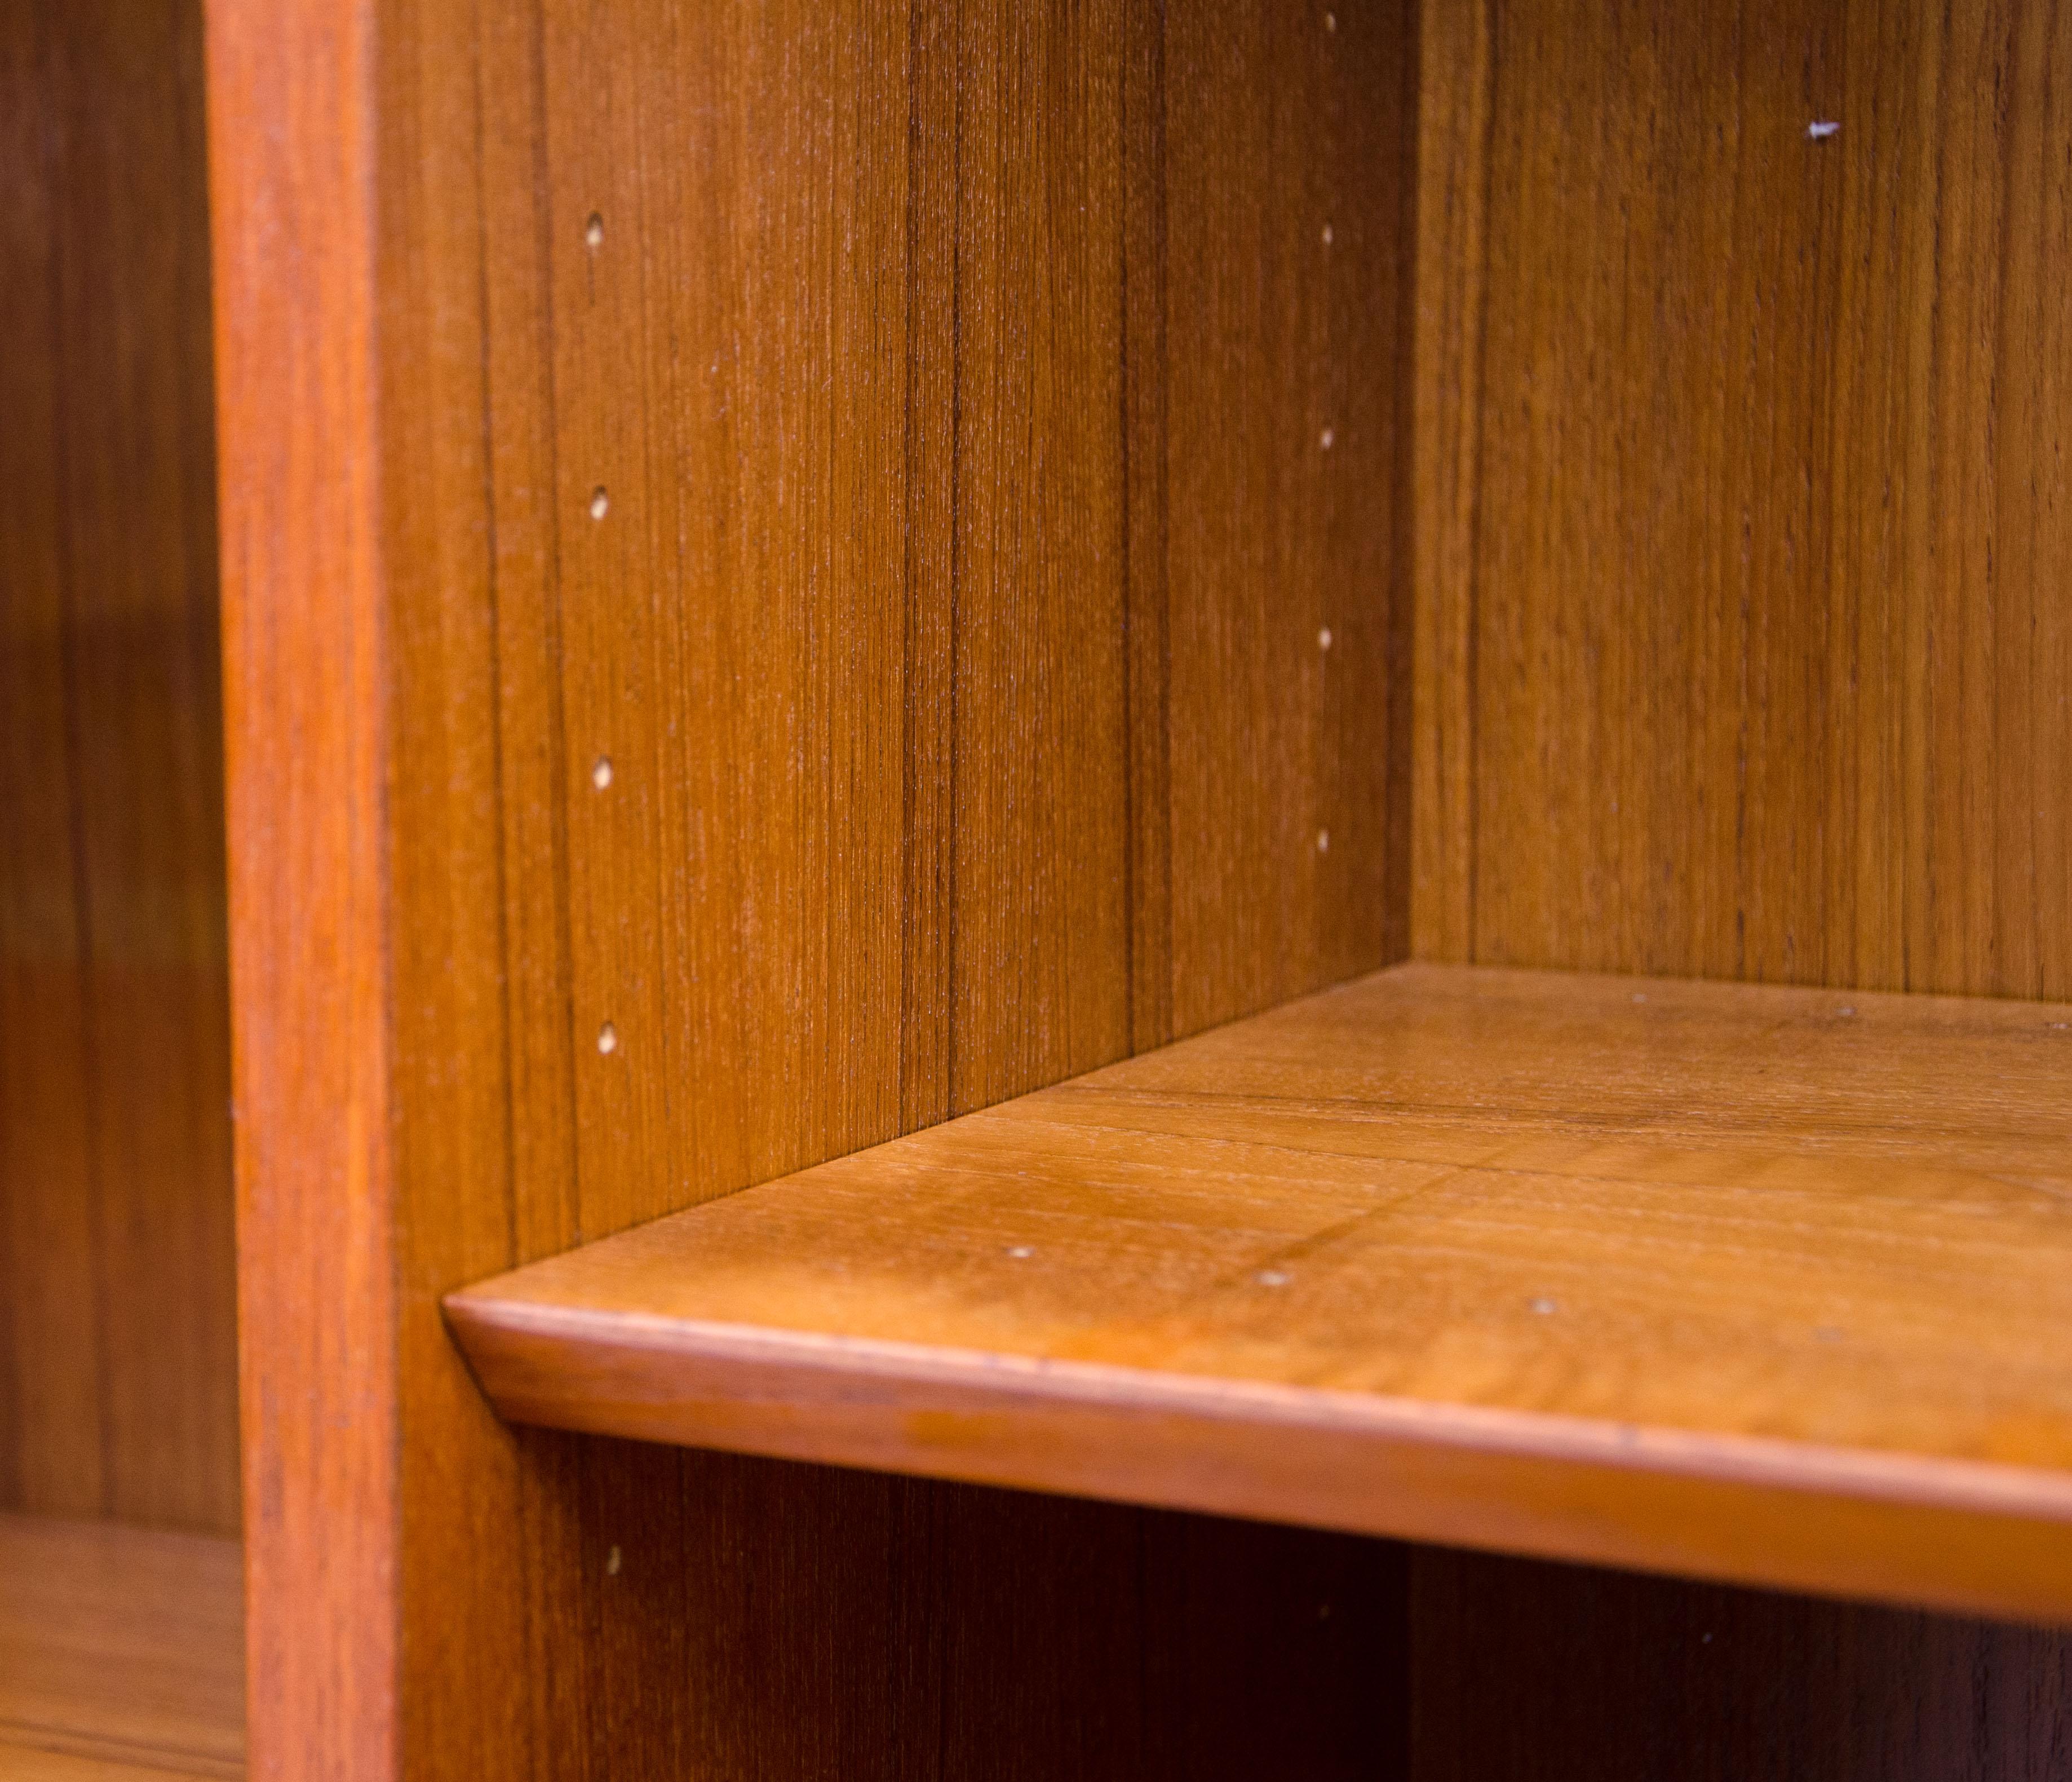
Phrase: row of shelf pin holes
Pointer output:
(601, 773)
(600, 505)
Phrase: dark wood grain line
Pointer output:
(1147, 678)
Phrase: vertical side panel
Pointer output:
(292, 163)
(832, 307)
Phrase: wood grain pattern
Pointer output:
(868, 352)
(1641, 1677)
(26, 1763)
(1738, 1281)
(1740, 532)
(942, 1630)
(1739, 653)
(121, 1647)
(314, 917)
(117, 1363)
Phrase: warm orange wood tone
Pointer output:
(119, 1647)
(1744, 646)
(971, 720)
(914, 487)
(1741, 649)
(23, 1763)
(1745, 1282)
(118, 1363)
(291, 92)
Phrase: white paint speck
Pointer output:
(1821, 129)
(607, 1039)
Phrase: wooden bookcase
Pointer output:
(1122, 890)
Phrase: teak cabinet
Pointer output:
(1141, 888)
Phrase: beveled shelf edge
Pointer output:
(1928, 1532)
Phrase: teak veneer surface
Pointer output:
(955, 377)
(1742, 652)
(121, 1653)
(119, 1365)
(1743, 648)
(1766, 1284)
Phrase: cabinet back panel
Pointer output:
(117, 1312)
(1745, 646)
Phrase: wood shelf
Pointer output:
(121, 1653)
(1765, 1284)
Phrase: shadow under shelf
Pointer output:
(1765, 1284)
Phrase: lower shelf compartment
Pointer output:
(1770, 1285)
(121, 1653)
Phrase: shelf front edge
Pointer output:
(1960, 1536)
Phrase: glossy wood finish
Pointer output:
(118, 1364)
(916, 627)
(118, 1647)
(25, 1763)
(1744, 1282)
(291, 160)
(1743, 649)
(1740, 651)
